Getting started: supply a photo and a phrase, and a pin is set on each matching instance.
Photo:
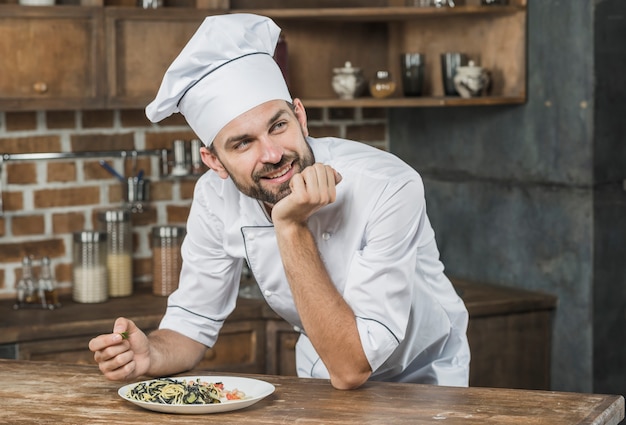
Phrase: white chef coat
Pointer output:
(378, 247)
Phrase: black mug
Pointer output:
(412, 66)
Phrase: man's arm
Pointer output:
(328, 320)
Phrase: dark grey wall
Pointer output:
(515, 196)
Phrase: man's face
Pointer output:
(262, 149)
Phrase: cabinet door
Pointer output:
(281, 348)
(141, 44)
(239, 348)
(51, 58)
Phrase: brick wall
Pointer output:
(46, 201)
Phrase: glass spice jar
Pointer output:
(117, 225)
(89, 273)
(166, 258)
(383, 85)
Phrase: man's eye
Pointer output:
(279, 125)
(242, 144)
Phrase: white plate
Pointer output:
(254, 390)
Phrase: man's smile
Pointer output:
(280, 175)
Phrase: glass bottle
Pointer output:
(26, 288)
(166, 258)
(117, 225)
(383, 85)
(90, 284)
(47, 286)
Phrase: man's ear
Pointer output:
(212, 161)
(301, 115)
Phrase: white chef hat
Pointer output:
(226, 69)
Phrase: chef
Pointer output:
(335, 232)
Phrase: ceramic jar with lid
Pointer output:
(348, 82)
(471, 80)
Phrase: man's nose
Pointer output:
(272, 152)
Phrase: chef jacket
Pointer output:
(379, 249)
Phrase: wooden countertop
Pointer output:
(50, 393)
(146, 310)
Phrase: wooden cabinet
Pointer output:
(373, 38)
(52, 58)
(509, 333)
(141, 44)
(241, 348)
(115, 57)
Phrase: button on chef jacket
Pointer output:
(378, 247)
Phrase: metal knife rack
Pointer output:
(161, 153)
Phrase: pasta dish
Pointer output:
(172, 391)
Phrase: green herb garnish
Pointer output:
(124, 335)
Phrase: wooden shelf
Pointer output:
(409, 102)
(130, 48)
(380, 14)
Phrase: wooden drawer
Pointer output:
(240, 348)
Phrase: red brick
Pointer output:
(177, 214)
(374, 113)
(102, 142)
(30, 144)
(28, 225)
(63, 273)
(187, 187)
(19, 121)
(165, 140)
(12, 201)
(146, 217)
(61, 171)
(67, 222)
(61, 119)
(98, 119)
(134, 118)
(21, 173)
(161, 190)
(341, 113)
(366, 132)
(325, 131)
(47, 198)
(14, 252)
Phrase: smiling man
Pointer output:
(335, 232)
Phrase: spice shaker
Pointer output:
(166, 258)
(26, 290)
(383, 85)
(90, 283)
(47, 286)
(117, 225)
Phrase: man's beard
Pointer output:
(257, 191)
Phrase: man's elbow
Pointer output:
(349, 381)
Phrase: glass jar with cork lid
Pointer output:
(166, 258)
(89, 277)
(117, 225)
